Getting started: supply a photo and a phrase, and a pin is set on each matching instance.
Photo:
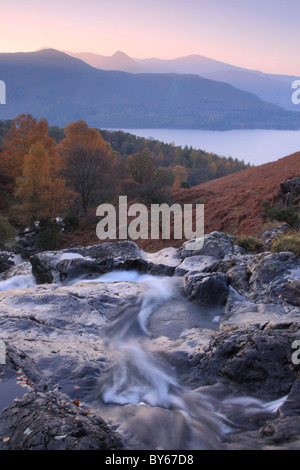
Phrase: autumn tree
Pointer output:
(24, 132)
(180, 172)
(87, 160)
(142, 167)
(41, 192)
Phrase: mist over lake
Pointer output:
(253, 146)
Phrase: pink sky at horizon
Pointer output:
(261, 34)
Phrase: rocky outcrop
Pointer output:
(56, 332)
(207, 289)
(90, 262)
(217, 244)
(269, 235)
(27, 242)
(257, 358)
(6, 261)
(49, 421)
(289, 193)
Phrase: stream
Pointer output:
(147, 393)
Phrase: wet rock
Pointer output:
(56, 334)
(89, 262)
(164, 262)
(281, 430)
(275, 278)
(6, 261)
(22, 269)
(256, 358)
(195, 264)
(49, 421)
(27, 242)
(207, 289)
(216, 244)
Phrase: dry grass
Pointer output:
(233, 204)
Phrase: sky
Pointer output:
(258, 34)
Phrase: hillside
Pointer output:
(233, 204)
(61, 88)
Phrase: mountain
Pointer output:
(269, 87)
(61, 88)
(118, 61)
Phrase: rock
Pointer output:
(207, 289)
(282, 431)
(269, 235)
(164, 262)
(195, 264)
(68, 265)
(27, 242)
(216, 244)
(49, 421)
(22, 269)
(6, 261)
(275, 278)
(289, 193)
(258, 359)
(56, 334)
(89, 262)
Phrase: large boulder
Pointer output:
(50, 421)
(6, 261)
(196, 264)
(207, 289)
(217, 244)
(275, 278)
(89, 262)
(257, 358)
(289, 193)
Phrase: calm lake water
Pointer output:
(252, 146)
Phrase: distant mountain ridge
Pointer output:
(61, 88)
(269, 87)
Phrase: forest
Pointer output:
(49, 172)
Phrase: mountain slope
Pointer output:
(269, 87)
(61, 88)
(233, 204)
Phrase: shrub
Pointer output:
(287, 243)
(250, 244)
(71, 224)
(7, 233)
(289, 214)
(151, 193)
(49, 237)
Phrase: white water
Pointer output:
(18, 282)
(148, 394)
(147, 390)
(253, 146)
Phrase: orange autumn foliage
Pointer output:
(42, 192)
(87, 161)
(24, 132)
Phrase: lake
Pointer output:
(252, 146)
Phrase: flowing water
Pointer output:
(147, 391)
